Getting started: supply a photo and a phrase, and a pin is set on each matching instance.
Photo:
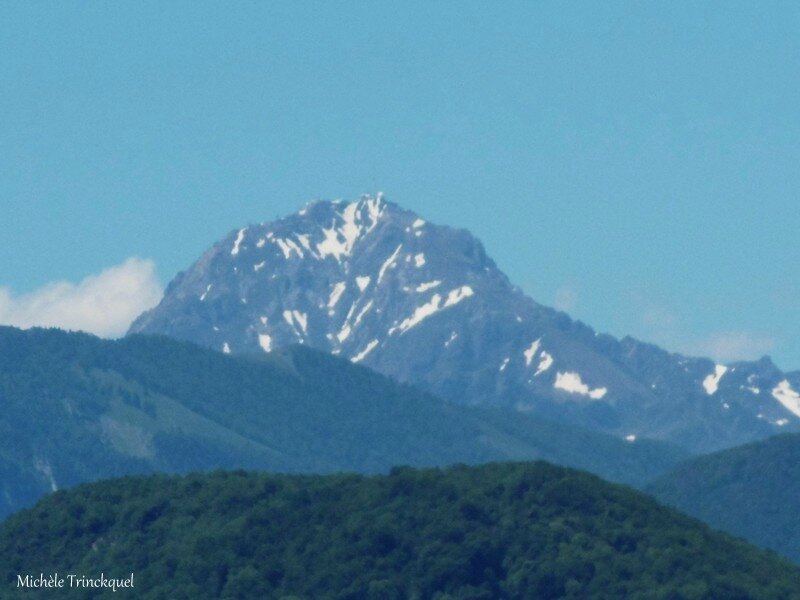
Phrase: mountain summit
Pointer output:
(424, 304)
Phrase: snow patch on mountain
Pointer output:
(388, 263)
(350, 312)
(238, 242)
(296, 318)
(711, 382)
(531, 352)
(353, 225)
(457, 295)
(344, 332)
(265, 341)
(288, 247)
(336, 293)
(421, 313)
(434, 305)
(305, 242)
(361, 355)
(545, 363)
(350, 230)
(790, 399)
(429, 285)
(751, 387)
(331, 245)
(572, 383)
(364, 311)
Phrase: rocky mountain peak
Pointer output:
(423, 303)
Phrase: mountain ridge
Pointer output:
(425, 304)
(77, 408)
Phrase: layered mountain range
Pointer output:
(77, 408)
(425, 304)
(285, 309)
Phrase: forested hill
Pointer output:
(752, 491)
(524, 530)
(76, 408)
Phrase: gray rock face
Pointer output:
(424, 304)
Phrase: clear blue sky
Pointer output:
(635, 163)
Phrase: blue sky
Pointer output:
(633, 163)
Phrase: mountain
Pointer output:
(77, 408)
(424, 304)
(752, 491)
(501, 531)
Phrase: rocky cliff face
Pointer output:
(424, 304)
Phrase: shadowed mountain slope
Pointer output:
(77, 408)
(752, 491)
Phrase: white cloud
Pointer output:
(663, 325)
(734, 345)
(104, 304)
(722, 346)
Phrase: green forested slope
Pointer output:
(524, 530)
(752, 491)
(76, 408)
